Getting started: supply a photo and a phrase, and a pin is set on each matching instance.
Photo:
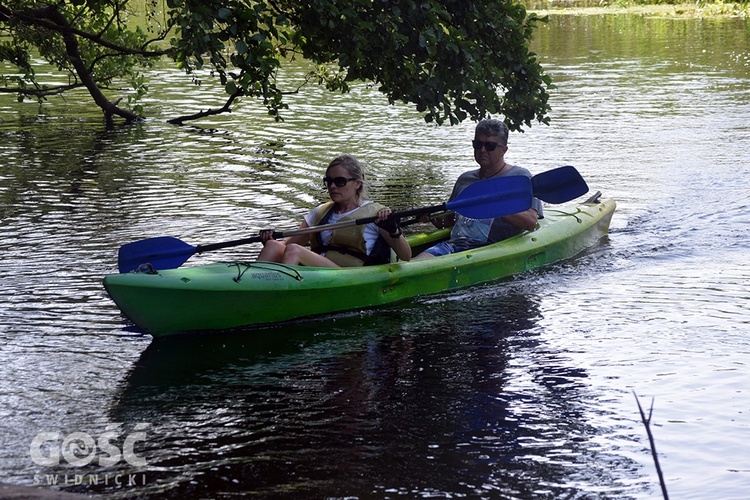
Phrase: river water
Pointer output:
(523, 388)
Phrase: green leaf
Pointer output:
(223, 13)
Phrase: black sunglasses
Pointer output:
(488, 145)
(339, 181)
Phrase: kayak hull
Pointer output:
(230, 295)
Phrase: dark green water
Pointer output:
(519, 389)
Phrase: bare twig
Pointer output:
(226, 108)
(647, 424)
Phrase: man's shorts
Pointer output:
(445, 248)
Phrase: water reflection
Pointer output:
(417, 403)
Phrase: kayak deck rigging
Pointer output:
(272, 270)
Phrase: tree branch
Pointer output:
(41, 92)
(647, 423)
(41, 18)
(74, 55)
(226, 108)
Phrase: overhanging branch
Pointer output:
(226, 108)
(47, 18)
(41, 92)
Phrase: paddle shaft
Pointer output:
(318, 228)
(519, 190)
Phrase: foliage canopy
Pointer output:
(452, 59)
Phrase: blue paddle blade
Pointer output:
(163, 252)
(559, 185)
(493, 198)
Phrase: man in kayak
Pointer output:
(490, 145)
(354, 245)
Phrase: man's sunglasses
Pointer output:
(488, 145)
(338, 181)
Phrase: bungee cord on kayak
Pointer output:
(146, 268)
(569, 214)
(266, 266)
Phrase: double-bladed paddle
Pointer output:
(492, 198)
(481, 200)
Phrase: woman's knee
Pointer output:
(272, 251)
(275, 246)
(292, 253)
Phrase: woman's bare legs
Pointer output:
(297, 254)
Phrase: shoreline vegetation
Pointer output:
(656, 8)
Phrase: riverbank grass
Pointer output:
(658, 9)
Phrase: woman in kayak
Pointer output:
(355, 245)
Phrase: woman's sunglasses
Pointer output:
(338, 181)
(488, 145)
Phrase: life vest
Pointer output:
(347, 247)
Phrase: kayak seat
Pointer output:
(419, 242)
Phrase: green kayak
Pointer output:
(229, 295)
